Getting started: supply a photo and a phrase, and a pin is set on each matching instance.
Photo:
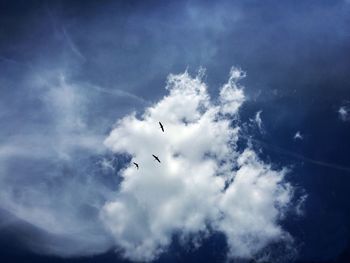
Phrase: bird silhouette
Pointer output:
(155, 157)
(137, 165)
(161, 126)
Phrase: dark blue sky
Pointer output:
(295, 53)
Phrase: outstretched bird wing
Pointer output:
(155, 157)
(137, 165)
(161, 126)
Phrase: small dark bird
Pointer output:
(155, 157)
(161, 126)
(137, 165)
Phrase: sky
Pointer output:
(255, 101)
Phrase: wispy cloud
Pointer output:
(298, 136)
(72, 45)
(122, 93)
(47, 177)
(344, 111)
(15, 62)
(203, 184)
(258, 120)
(297, 155)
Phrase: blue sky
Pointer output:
(70, 71)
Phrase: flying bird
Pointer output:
(137, 165)
(155, 157)
(161, 126)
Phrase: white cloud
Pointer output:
(43, 177)
(298, 136)
(258, 120)
(299, 207)
(67, 104)
(107, 165)
(344, 113)
(121, 93)
(231, 96)
(202, 182)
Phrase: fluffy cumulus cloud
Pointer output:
(204, 182)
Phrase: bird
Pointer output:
(161, 126)
(155, 157)
(137, 165)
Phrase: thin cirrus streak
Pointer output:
(122, 93)
(295, 155)
(72, 45)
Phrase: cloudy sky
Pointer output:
(254, 97)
